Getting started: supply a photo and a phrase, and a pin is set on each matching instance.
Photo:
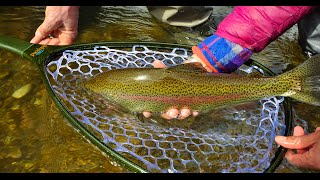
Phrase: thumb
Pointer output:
(297, 142)
(299, 131)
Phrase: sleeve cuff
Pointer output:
(221, 55)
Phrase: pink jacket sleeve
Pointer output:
(254, 27)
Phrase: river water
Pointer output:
(34, 135)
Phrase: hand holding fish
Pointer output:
(307, 147)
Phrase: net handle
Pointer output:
(13, 44)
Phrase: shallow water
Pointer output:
(36, 138)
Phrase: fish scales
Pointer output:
(156, 90)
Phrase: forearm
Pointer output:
(255, 27)
(245, 31)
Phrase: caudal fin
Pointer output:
(309, 74)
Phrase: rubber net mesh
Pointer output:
(234, 139)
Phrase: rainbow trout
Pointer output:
(188, 85)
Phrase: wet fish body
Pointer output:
(189, 86)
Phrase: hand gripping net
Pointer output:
(229, 140)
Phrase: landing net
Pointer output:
(235, 139)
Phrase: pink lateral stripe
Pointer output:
(184, 100)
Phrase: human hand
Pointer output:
(177, 113)
(61, 22)
(307, 147)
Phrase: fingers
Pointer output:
(47, 27)
(38, 37)
(62, 39)
(184, 113)
(62, 22)
(171, 114)
(195, 58)
(49, 41)
(54, 41)
(158, 64)
(306, 160)
(174, 114)
(44, 41)
(298, 142)
(67, 38)
(146, 114)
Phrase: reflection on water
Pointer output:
(36, 138)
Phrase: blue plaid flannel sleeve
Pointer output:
(221, 55)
